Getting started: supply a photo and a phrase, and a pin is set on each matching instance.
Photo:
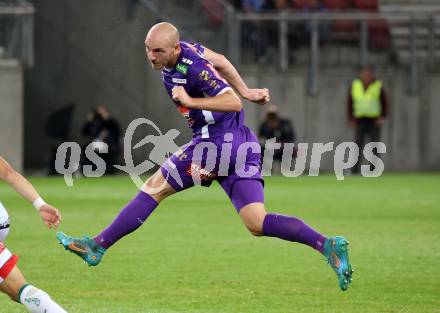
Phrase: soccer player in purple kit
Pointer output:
(201, 83)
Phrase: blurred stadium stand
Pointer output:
(16, 54)
(89, 52)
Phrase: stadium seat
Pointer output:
(379, 34)
(366, 5)
(299, 4)
(214, 12)
(341, 29)
(345, 30)
(337, 4)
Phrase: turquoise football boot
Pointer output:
(86, 248)
(336, 252)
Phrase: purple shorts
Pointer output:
(236, 156)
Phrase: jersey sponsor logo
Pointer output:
(187, 61)
(182, 68)
(204, 75)
(213, 84)
(179, 80)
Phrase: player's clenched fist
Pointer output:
(180, 95)
(260, 96)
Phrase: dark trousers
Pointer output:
(366, 131)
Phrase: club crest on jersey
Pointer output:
(182, 68)
(179, 80)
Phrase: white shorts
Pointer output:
(7, 262)
(4, 222)
(7, 259)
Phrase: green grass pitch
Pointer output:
(194, 255)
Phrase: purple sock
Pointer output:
(128, 220)
(292, 229)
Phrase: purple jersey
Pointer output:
(200, 80)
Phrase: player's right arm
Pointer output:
(230, 73)
(225, 102)
(50, 215)
(18, 182)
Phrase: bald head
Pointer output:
(165, 33)
(162, 45)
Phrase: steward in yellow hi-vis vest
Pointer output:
(366, 100)
(367, 108)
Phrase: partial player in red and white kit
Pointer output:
(12, 281)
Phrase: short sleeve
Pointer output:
(199, 49)
(196, 47)
(205, 79)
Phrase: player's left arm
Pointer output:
(227, 101)
(50, 215)
(230, 73)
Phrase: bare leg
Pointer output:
(253, 216)
(157, 187)
(16, 287)
(12, 284)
